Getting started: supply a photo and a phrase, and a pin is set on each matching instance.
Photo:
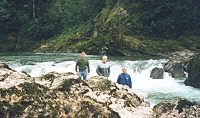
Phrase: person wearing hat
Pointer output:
(103, 69)
(124, 78)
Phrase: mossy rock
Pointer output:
(162, 107)
(69, 73)
(49, 76)
(65, 86)
(168, 106)
(132, 100)
(95, 110)
(194, 72)
(33, 88)
(102, 84)
(27, 88)
(183, 103)
(3, 111)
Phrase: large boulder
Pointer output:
(178, 63)
(194, 72)
(120, 98)
(175, 69)
(185, 65)
(9, 77)
(66, 95)
(176, 108)
(157, 73)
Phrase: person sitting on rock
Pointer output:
(124, 78)
(103, 69)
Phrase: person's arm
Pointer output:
(109, 71)
(98, 71)
(76, 66)
(119, 80)
(130, 82)
(88, 65)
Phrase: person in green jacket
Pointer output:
(82, 64)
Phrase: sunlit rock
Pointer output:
(118, 97)
(66, 95)
(10, 78)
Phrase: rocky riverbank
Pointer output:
(180, 62)
(66, 95)
(185, 61)
(176, 65)
(194, 72)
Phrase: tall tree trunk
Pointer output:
(33, 8)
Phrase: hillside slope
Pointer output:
(113, 27)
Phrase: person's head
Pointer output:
(124, 69)
(104, 58)
(83, 55)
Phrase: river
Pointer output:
(154, 90)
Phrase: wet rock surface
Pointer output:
(157, 73)
(194, 72)
(66, 95)
(178, 63)
(176, 108)
(120, 98)
(175, 69)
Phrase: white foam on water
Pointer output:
(154, 90)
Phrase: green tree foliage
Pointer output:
(157, 19)
(51, 16)
(169, 18)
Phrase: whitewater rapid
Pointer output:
(154, 90)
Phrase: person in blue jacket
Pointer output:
(124, 78)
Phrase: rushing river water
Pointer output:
(154, 90)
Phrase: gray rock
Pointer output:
(176, 108)
(175, 69)
(196, 103)
(177, 61)
(194, 72)
(185, 66)
(66, 95)
(9, 77)
(157, 73)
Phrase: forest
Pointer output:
(114, 27)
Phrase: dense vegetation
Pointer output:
(114, 27)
